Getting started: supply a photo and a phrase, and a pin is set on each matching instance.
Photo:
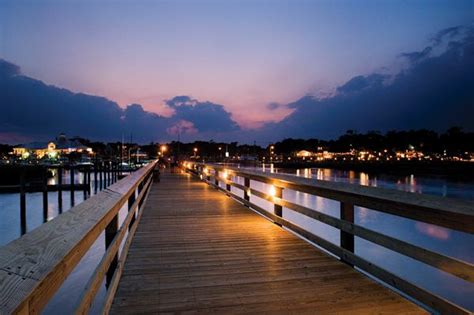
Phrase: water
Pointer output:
(446, 241)
(442, 240)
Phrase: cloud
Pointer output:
(33, 110)
(449, 32)
(274, 106)
(416, 56)
(182, 127)
(360, 82)
(435, 92)
(205, 116)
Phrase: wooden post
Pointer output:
(71, 172)
(105, 174)
(60, 189)
(45, 194)
(89, 180)
(84, 182)
(216, 178)
(108, 174)
(114, 166)
(247, 189)
(277, 209)
(110, 232)
(347, 239)
(227, 185)
(95, 178)
(23, 201)
(131, 200)
(101, 175)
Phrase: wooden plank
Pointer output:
(197, 250)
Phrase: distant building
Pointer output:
(304, 153)
(52, 149)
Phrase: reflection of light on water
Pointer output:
(307, 173)
(271, 168)
(319, 174)
(366, 216)
(351, 176)
(327, 173)
(433, 231)
(297, 172)
(364, 179)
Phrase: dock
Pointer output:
(196, 250)
(194, 240)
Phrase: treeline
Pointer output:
(454, 140)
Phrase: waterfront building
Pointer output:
(51, 149)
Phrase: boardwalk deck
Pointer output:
(198, 251)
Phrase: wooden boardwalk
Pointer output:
(198, 251)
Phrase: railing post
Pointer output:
(131, 200)
(110, 232)
(347, 239)
(216, 178)
(277, 209)
(247, 189)
(227, 185)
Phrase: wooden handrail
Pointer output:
(451, 213)
(34, 266)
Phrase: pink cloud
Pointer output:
(182, 127)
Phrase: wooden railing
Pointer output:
(33, 267)
(453, 214)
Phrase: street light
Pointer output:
(163, 149)
(195, 151)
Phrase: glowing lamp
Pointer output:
(272, 191)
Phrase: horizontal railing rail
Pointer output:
(33, 267)
(445, 212)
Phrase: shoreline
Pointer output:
(463, 171)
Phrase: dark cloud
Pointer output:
(362, 82)
(436, 92)
(274, 106)
(416, 56)
(449, 32)
(32, 109)
(205, 116)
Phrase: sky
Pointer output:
(249, 64)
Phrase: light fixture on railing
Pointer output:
(224, 174)
(272, 191)
(249, 192)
